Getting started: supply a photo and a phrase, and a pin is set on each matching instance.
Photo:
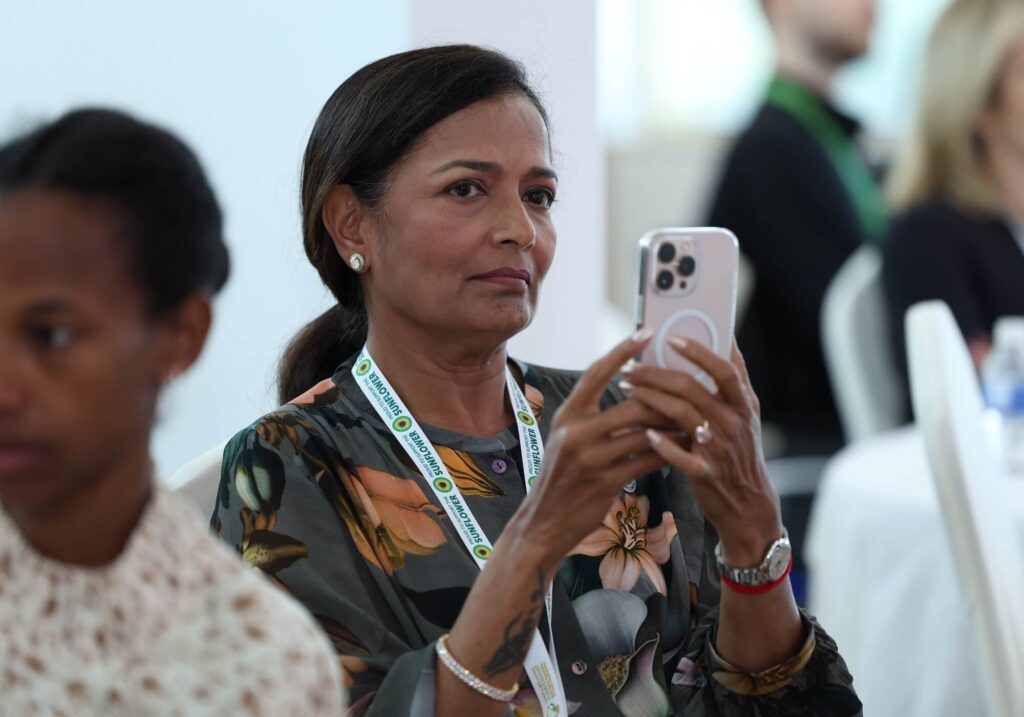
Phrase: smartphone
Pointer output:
(687, 288)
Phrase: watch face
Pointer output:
(778, 559)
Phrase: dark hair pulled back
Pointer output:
(149, 178)
(373, 120)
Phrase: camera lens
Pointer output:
(687, 265)
(665, 280)
(666, 253)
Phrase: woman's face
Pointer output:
(79, 360)
(1002, 124)
(463, 237)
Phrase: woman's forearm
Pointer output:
(756, 632)
(497, 623)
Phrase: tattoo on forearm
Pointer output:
(518, 633)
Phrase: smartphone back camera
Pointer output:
(676, 267)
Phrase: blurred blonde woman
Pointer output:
(958, 188)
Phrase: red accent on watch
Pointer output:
(757, 589)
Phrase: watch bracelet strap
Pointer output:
(758, 589)
(486, 689)
(750, 577)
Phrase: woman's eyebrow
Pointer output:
(542, 173)
(478, 165)
(56, 305)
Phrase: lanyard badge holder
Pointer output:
(541, 666)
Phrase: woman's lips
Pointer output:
(15, 458)
(506, 276)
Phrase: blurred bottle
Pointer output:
(1002, 378)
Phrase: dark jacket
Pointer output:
(972, 262)
(796, 224)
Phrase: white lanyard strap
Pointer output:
(541, 667)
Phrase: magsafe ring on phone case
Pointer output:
(691, 324)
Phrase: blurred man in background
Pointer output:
(799, 195)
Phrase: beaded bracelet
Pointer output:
(487, 690)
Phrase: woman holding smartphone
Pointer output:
(114, 597)
(475, 533)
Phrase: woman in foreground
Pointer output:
(377, 496)
(114, 598)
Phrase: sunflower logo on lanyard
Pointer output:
(401, 424)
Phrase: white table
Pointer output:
(883, 581)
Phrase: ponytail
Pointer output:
(319, 348)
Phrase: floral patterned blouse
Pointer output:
(320, 496)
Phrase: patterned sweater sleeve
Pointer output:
(814, 681)
(286, 504)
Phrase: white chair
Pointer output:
(858, 352)
(987, 552)
(199, 479)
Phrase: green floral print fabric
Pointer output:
(320, 497)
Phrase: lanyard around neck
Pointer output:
(842, 152)
(541, 665)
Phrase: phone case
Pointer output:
(698, 303)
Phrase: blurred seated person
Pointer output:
(798, 193)
(958, 188)
(114, 597)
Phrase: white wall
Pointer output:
(882, 87)
(242, 83)
(557, 43)
(684, 67)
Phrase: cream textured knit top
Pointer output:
(176, 625)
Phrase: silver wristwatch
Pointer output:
(773, 567)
